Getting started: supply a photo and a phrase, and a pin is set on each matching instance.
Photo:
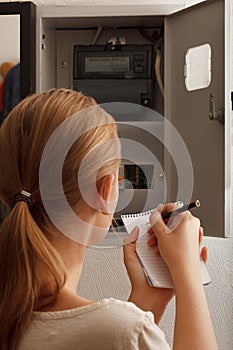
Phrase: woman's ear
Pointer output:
(105, 187)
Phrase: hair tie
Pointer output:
(24, 196)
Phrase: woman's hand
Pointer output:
(178, 243)
(147, 297)
(153, 241)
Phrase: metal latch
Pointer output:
(214, 115)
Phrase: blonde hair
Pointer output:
(28, 261)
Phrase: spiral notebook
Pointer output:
(155, 269)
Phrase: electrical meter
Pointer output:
(122, 73)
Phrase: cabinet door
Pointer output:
(188, 110)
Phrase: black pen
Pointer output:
(185, 207)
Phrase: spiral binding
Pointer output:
(137, 215)
(148, 212)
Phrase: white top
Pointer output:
(108, 324)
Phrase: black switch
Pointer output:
(232, 100)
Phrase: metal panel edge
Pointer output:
(228, 118)
(167, 99)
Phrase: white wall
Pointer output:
(104, 275)
(9, 38)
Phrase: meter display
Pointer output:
(107, 64)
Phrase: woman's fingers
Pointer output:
(201, 233)
(129, 246)
(204, 254)
(163, 209)
(132, 236)
(152, 241)
(150, 231)
(204, 250)
(157, 250)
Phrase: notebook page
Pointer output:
(153, 264)
(141, 220)
(157, 269)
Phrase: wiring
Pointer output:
(158, 71)
(97, 35)
(155, 38)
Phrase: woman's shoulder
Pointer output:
(128, 311)
(108, 321)
(105, 312)
(108, 307)
(139, 325)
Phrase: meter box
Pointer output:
(115, 73)
(113, 61)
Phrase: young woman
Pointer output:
(42, 248)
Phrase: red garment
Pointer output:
(2, 93)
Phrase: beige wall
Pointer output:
(9, 39)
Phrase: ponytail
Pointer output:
(28, 263)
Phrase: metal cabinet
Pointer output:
(201, 113)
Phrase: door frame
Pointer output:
(27, 12)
